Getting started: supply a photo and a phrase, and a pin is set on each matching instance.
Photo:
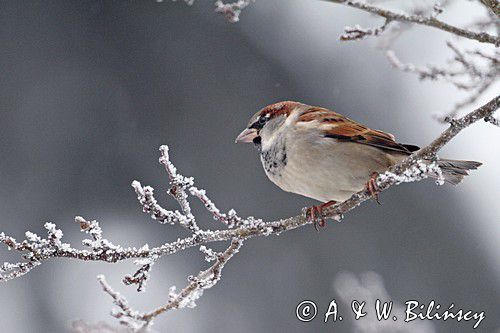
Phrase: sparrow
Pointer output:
(323, 155)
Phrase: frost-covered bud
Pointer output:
(210, 255)
(172, 294)
(32, 237)
(54, 234)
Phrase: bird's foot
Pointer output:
(372, 187)
(314, 214)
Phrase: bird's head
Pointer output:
(264, 126)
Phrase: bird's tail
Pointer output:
(454, 171)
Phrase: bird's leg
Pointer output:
(372, 187)
(314, 214)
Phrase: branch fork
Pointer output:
(35, 249)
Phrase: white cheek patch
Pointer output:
(272, 131)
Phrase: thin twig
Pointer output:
(429, 21)
(35, 250)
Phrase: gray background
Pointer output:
(90, 89)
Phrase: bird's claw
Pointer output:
(372, 186)
(314, 214)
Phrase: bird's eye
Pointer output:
(259, 123)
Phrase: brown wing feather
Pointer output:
(336, 126)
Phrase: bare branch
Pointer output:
(35, 249)
(492, 5)
(430, 21)
(231, 219)
(428, 152)
(465, 72)
(358, 33)
(204, 280)
(466, 102)
(492, 120)
(142, 275)
(427, 72)
(250, 227)
(187, 297)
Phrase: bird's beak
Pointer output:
(246, 136)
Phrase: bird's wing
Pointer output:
(336, 126)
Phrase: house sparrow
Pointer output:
(323, 155)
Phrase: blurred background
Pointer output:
(88, 92)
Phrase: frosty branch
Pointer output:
(430, 20)
(35, 250)
(230, 10)
(473, 70)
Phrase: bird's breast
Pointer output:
(319, 168)
(274, 160)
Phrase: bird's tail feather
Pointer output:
(454, 170)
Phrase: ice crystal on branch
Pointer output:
(358, 33)
(35, 249)
(472, 70)
(464, 70)
(210, 255)
(141, 276)
(418, 171)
